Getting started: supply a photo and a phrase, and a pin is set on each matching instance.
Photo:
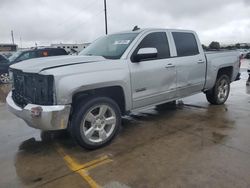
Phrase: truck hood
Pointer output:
(39, 64)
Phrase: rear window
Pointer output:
(186, 44)
(51, 52)
(57, 51)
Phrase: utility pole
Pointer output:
(105, 12)
(21, 42)
(12, 37)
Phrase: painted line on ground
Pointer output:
(83, 169)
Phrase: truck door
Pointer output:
(190, 63)
(153, 80)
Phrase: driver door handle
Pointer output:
(170, 65)
(200, 62)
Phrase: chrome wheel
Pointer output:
(220, 92)
(4, 78)
(99, 123)
(223, 90)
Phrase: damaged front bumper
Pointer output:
(53, 117)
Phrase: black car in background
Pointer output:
(24, 55)
(4, 64)
(247, 56)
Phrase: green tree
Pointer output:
(214, 45)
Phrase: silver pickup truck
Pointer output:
(117, 74)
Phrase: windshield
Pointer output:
(111, 46)
(15, 56)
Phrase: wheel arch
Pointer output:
(116, 93)
(225, 70)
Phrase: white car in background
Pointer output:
(243, 52)
(247, 59)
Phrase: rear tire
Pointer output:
(220, 92)
(95, 122)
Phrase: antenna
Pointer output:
(136, 28)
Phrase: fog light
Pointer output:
(36, 111)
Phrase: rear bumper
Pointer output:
(52, 117)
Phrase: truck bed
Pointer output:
(218, 59)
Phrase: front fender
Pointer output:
(69, 85)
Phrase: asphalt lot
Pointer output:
(192, 144)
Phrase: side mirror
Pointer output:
(145, 53)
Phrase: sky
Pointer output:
(79, 21)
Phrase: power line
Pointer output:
(86, 20)
(87, 7)
(12, 37)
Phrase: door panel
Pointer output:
(153, 80)
(190, 75)
(4, 67)
(190, 64)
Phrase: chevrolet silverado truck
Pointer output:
(114, 76)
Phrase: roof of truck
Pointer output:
(151, 29)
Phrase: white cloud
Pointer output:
(46, 21)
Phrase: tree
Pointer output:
(214, 45)
(204, 47)
(237, 45)
(229, 47)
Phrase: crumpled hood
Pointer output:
(37, 65)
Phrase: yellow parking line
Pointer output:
(99, 164)
(82, 169)
(88, 179)
(93, 163)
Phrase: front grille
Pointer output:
(32, 88)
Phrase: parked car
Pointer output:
(247, 56)
(3, 59)
(243, 52)
(248, 68)
(4, 64)
(115, 75)
(24, 55)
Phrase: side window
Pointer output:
(26, 55)
(186, 44)
(156, 40)
(55, 52)
(43, 53)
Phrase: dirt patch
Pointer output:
(4, 90)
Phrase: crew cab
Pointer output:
(116, 75)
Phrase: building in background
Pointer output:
(243, 45)
(8, 49)
(71, 48)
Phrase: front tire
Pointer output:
(220, 92)
(95, 122)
